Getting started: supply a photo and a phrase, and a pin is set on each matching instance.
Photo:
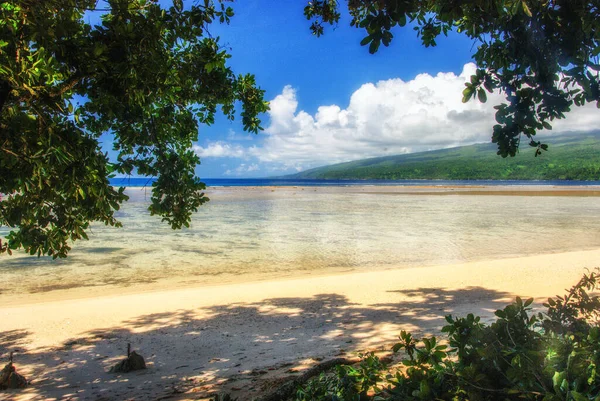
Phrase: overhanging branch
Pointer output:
(4, 91)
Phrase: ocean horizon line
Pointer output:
(237, 182)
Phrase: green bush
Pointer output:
(349, 383)
(551, 356)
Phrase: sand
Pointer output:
(245, 338)
(270, 192)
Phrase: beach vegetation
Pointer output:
(551, 355)
(542, 55)
(140, 74)
(347, 383)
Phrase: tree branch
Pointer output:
(57, 92)
(4, 92)
(10, 152)
(68, 86)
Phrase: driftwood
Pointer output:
(286, 390)
(134, 361)
(9, 378)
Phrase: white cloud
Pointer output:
(252, 167)
(584, 118)
(387, 118)
(234, 136)
(243, 169)
(219, 149)
(384, 118)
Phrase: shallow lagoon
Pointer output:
(247, 234)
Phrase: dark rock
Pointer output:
(133, 362)
(10, 379)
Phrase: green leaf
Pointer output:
(481, 95)
(467, 94)
(526, 9)
(402, 20)
(515, 7)
(374, 46)
(424, 390)
(558, 381)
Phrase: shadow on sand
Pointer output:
(235, 347)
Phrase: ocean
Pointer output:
(259, 232)
(263, 182)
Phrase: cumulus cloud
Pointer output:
(234, 136)
(219, 149)
(243, 169)
(386, 118)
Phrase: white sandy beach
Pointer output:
(244, 338)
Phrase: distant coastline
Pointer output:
(572, 160)
(281, 182)
(575, 156)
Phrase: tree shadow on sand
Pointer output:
(11, 341)
(233, 347)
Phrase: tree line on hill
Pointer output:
(572, 157)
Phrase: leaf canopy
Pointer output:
(146, 73)
(543, 55)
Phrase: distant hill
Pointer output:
(570, 157)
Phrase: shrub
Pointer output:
(348, 383)
(550, 356)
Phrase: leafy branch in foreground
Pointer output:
(543, 55)
(551, 356)
(147, 73)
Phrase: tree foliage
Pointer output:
(543, 55)
(146, 73)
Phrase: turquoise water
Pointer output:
(245, 234)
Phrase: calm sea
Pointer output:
(246, 233)
(262, 182)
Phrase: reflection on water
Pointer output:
(239, 237)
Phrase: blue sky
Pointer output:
(272, 40)
(332, 101)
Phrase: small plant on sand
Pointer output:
(348, 383)
(553, 355)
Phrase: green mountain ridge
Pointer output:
(573, 156)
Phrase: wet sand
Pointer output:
(511, 190)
